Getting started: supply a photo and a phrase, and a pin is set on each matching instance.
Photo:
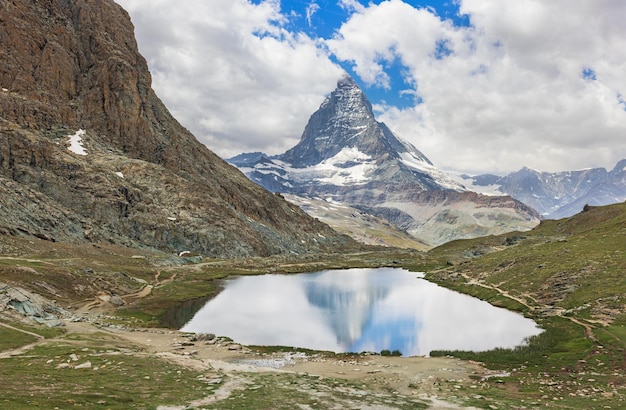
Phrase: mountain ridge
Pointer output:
(559, 194)
(145, 181)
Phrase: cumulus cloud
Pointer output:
(230, 72)
(528, 83)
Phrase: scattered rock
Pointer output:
(117, 301)
(139, 280)
(86, 365)
(104, 298)
(203, 337)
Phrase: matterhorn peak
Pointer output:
(345, 156)
(349, 103)
(344, 120)
(346, 81)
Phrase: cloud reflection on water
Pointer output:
(357, 310)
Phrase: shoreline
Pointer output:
(411, 376)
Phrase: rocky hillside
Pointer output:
(345, 156)
(88, 152)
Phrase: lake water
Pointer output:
(357, 310)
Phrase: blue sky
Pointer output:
(322, 18)
(477, 85)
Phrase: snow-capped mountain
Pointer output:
(343, 145)
(347, 157)
(559, 194)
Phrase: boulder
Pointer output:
(30, 305)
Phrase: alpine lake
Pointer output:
(357, 310)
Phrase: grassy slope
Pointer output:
(570, 276)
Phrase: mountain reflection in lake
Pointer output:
(357, 310)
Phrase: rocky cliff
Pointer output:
(88, 152)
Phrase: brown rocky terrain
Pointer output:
(70, 65)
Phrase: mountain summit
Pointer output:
(344, 134)
(346, 120)
(347, 157)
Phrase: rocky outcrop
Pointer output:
(70, 65)
(16, 302)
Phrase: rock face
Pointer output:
(70, 65)
(16, 302)
(560, 194)
(348, 157)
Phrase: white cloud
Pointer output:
(230, 72)
(506, 92)
(510, 92)
(351, 5)
(310, 11)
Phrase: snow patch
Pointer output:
(440, 177)
(348, 167)
(348, 154)
(489, 190)
(76, 143)
(412, 161)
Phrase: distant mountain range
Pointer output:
(559, 194)
(347, 157)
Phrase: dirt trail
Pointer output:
(524, 301)
(22, 349)
(101, 303)
(27, 260)
(158, 283)
(476, 282)
(21, 330)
